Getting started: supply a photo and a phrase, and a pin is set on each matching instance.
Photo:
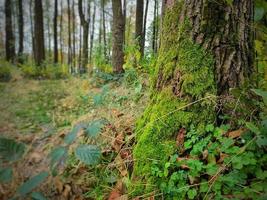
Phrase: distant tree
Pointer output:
(73, 34)
(21, 30)
(61, 33)
(39, 32)
(10, 40)
(85, 24)
(55, 31)
(69, 37)
(144, 28)
(139, 24)
(104, 28)
(92, 33)
(117, 34)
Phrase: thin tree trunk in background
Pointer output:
(117, 30)
(100, 31)
(61, 32)
(124, 21)
(32, 29)
(39, 32)
(157, 27)
(104, 29)
(10, 40)
(139, 24)
(21, 31)
(154, 26)
(85, 24)
(80, 49)
(92, 34)
(73, 35)
(55, 32)
(144, 28)
(48, 5)
(69, 38)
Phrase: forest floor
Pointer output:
(40, 113)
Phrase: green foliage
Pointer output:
(70, 138)
(57, 155)
(37, 196)
(94, 128)
(99, 99)
(6, 175)
(88, 154)
(11, 150)
(5, 71)
(47, 71)
(32, 183)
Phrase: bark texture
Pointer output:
(39, 32)
(139, 24)
(55, 32)
(206, 48)
(117, 34)
(21, 30)
(10, 40)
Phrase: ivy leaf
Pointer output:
(192, 193)
(261, 93)
(6, 175)
(88, 154)
(56, 155)
(37, 196)
(32, 183)
(11, 150)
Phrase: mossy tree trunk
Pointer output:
(206, 48)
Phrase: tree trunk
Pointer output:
(124, 21)
(85, 24)
(61, 34)
(47, 16)
(73, 36)
(144, 28)
(154, 32)
(21, 31)
(92, 34)
(206, 49)
(104, 29)
(139, 24)
(55, 32)
(32, 29)
(10, 40)
(117, 34)
(69, 38)
(39, 32)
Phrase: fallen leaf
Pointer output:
(66, 191)
(58, 184)
(237, 133)
(205, 154)
(180, 138)
(222, 157)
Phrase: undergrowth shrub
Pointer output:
(47, 71)
(5, 71)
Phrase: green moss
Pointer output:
(168, 112)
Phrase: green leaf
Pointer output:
(56, 155)
(261, 141)
(210, 128)
(11, 150)
(88, 154)
(32, 183)
(253, 128)
(6, 175)
(192, 193)
(73, 133)
(261, 93)
(37, 196)
(259, 13)
(94, 128)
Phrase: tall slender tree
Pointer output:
(85, 24)
(32, 28)
(144, 28)
(139, 24)
(21, 30)
(117, 34)
(104, 28)
(10, 40)
(69, 37)
(39, 32)
(55, 31)
(92, 34)
(61, 33)
(73, 34)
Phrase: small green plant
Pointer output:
(5, 71)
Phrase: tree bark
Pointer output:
(32, 29)
(73, 35)
(10, 40)
(144, 28)
(61, 34)
(21, 31)
(104, 29)
(117, 34)
(39, 32)
(139, 24)
(206, 49)
(92, 34)
(55, 32)
(69, 37)
(85, 24)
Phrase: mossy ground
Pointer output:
(170, 108)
